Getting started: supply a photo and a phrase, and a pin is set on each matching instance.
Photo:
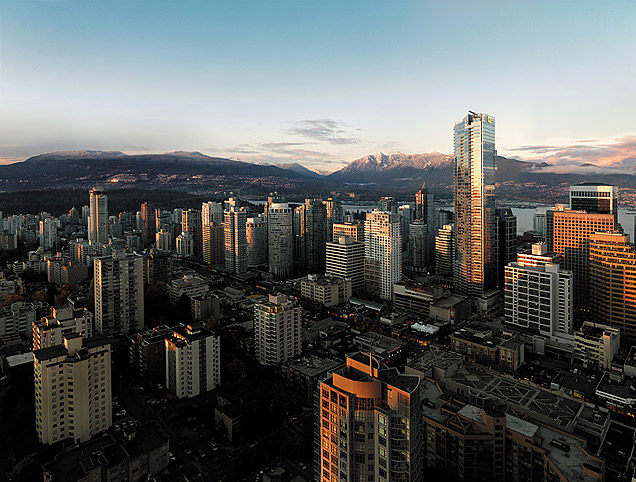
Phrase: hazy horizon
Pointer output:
(318, 83)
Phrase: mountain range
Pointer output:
(197, 172)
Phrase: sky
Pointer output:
(319, 82)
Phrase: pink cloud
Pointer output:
(585, 156)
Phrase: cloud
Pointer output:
(588, 155)
(326, 130)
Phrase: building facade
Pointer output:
(445, 250)
(539, 295)
(279, 239)
(568, 234)
(235, 240)
(345, 258)
(369, 425)
(613, 282)
(353, 230)
(148, 224)
(277, 330)
(326, 290)
(72, 389)
(213, 243)
(382, 253)
(595, 345)
(119, 293)
(193, 364)
(98, 219)
(594, 197)
(475, 265)
(256, 239)
(191, 223)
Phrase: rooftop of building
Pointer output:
(434, 356)
(185, 334)
(153, 335)
(57, 351)
(567, 452)
(390, 376)
(277, 303)
(622, 389)
(311, 365)
(480, 337)
(324, 280)
(450, 300)
(593, 330)
(105, 450)
(187, 280)
(380, 344)
(520, 396)
(594, 184)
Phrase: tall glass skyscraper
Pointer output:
(475, 266)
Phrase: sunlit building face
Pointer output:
(475, 230)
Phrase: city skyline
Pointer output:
(319, 83)
(455, 300)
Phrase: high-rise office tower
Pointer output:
(148, 224)
(72, 389)
(48, 233)
(127, 221)
(475, 270)
(193, 361)
(421, 203)
(163, 219)
(279, 239)
(213, 244)
(311, 235)
(539, 224)
(211, 212)
(418, 245)
(506, 240)
(369, 423)
(613, 282)
(388, 204)
(353, 230)
(569, 232)
(445, 216)
(164, 240)
(407, 216)
(235, 241)
(273, 198)
(114, 228)
(185, 244)
(191, 223)
(539, 294)
(233, 202)
(86, 216)
(119, 293)
(256, 238)
(98, 219)
(594, 197)
(382, 253)
(445, 250)
(157, 267)
(335, 214)
(277, 330)
(345, 258)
